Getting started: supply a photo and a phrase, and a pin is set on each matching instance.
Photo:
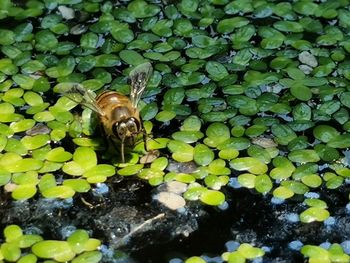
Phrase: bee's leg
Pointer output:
(122, 151)
(145, 137)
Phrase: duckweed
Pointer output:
(12, 232)
(89, 256)
(60, 191)
(319, 254)
(182, 152)
(314, 214)
(57, 250)
(195, 260)
(242, 253)
(212, 197)
(23, 192)
(77, 247)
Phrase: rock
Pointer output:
(66, 12)
(306, 69)
(170, 200)
(307, 58)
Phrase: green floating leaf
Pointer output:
(12, 233)
(77, 240)
(340, 141)
(160, 163)
(182, 152)
(316, 203)
(252, 165)
(288, 26)
(263, 183)
(58, 155)
(36, 141)
(325, 133)
(282, 192)
(85, 157)
(217, 133)
(194, 192)
(141, 9)
(187, 136)
(27, 240)
(22, 125)
(158, 143)
(345, 99)
(303, 156)
(301, 92)
(10, 252)
(203, 155)
(3, 142)
(164, 116)
(78, 185)
(191, 123)
(89, 256)
(53, 249)
(212, 197)
(235, 257)
(228, 25)
(316, 253)
(312, 180)
(327, 153)
(24, 165)
(195, 260)
(60, 191)
(216, 70)
(23, 192)
(47, 181)
(314, 214)
(131, 57)
(130, 170)
(250, 252)
(105, 170)
(247, 180)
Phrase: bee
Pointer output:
(118, 114)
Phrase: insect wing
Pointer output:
(139, 77)
(84, 97)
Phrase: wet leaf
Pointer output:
(314, 214)
(250, 252)
(182, 152)
(52, 249)
(203, 155)
(10, 252)
(60, 191)
(283, 192)
(216, 70)
(23, 192)
(303, 156)
(247, 180)
(228, 25)
(140, 9)
(340, 141)
(130, 170)
(89, 256)
(212, 197)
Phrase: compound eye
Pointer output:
(121, 130)
(132, 127)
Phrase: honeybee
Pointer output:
(118, 114)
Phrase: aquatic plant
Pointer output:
(27, 248)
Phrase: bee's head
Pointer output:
(127, 130)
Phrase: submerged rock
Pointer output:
(124, 217)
